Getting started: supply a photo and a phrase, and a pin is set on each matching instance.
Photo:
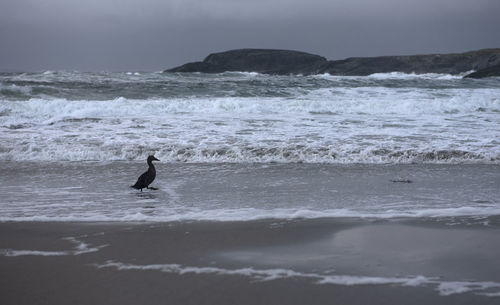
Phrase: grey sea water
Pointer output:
(242, 146)
(249, 117)
(90, 191)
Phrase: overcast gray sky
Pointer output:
(151, 35)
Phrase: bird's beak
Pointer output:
(154, 158)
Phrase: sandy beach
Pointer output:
(323, 261)
(249, 234)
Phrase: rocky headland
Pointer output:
(485, 62)
(257, 60)
(486, 72)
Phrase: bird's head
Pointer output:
(152, 158)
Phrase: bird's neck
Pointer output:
(150, 163)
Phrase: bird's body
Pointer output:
(148, 177)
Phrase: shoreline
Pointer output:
(245, 192)
(351, 261)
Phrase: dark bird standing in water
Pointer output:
(147, 178)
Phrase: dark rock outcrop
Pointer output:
(257, 60)
(294, 62)
(434, 63)
(487, 72)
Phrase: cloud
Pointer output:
(145, 11)
(155, 34)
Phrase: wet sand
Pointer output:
(323, 261)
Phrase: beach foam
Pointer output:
(468, 215)
(79, 248)
(445, 288)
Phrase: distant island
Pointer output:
(484, 62)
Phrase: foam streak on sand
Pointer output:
(445, 288)
(11, 252)
(79, 248)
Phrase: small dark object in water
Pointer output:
(147, 178)
(402, 181)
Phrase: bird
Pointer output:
(148, 177)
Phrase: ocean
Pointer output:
(207, 128)
(388, 183)
(249, 118)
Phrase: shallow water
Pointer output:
(92, 191)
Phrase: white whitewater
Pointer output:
(248, 117)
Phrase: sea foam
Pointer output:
(79, 248)
(248, 117)
(361, 130)
(478, 214)
(445, 288)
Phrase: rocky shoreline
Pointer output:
(485, 62)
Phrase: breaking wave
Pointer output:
(248, 117)
(226, 154)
